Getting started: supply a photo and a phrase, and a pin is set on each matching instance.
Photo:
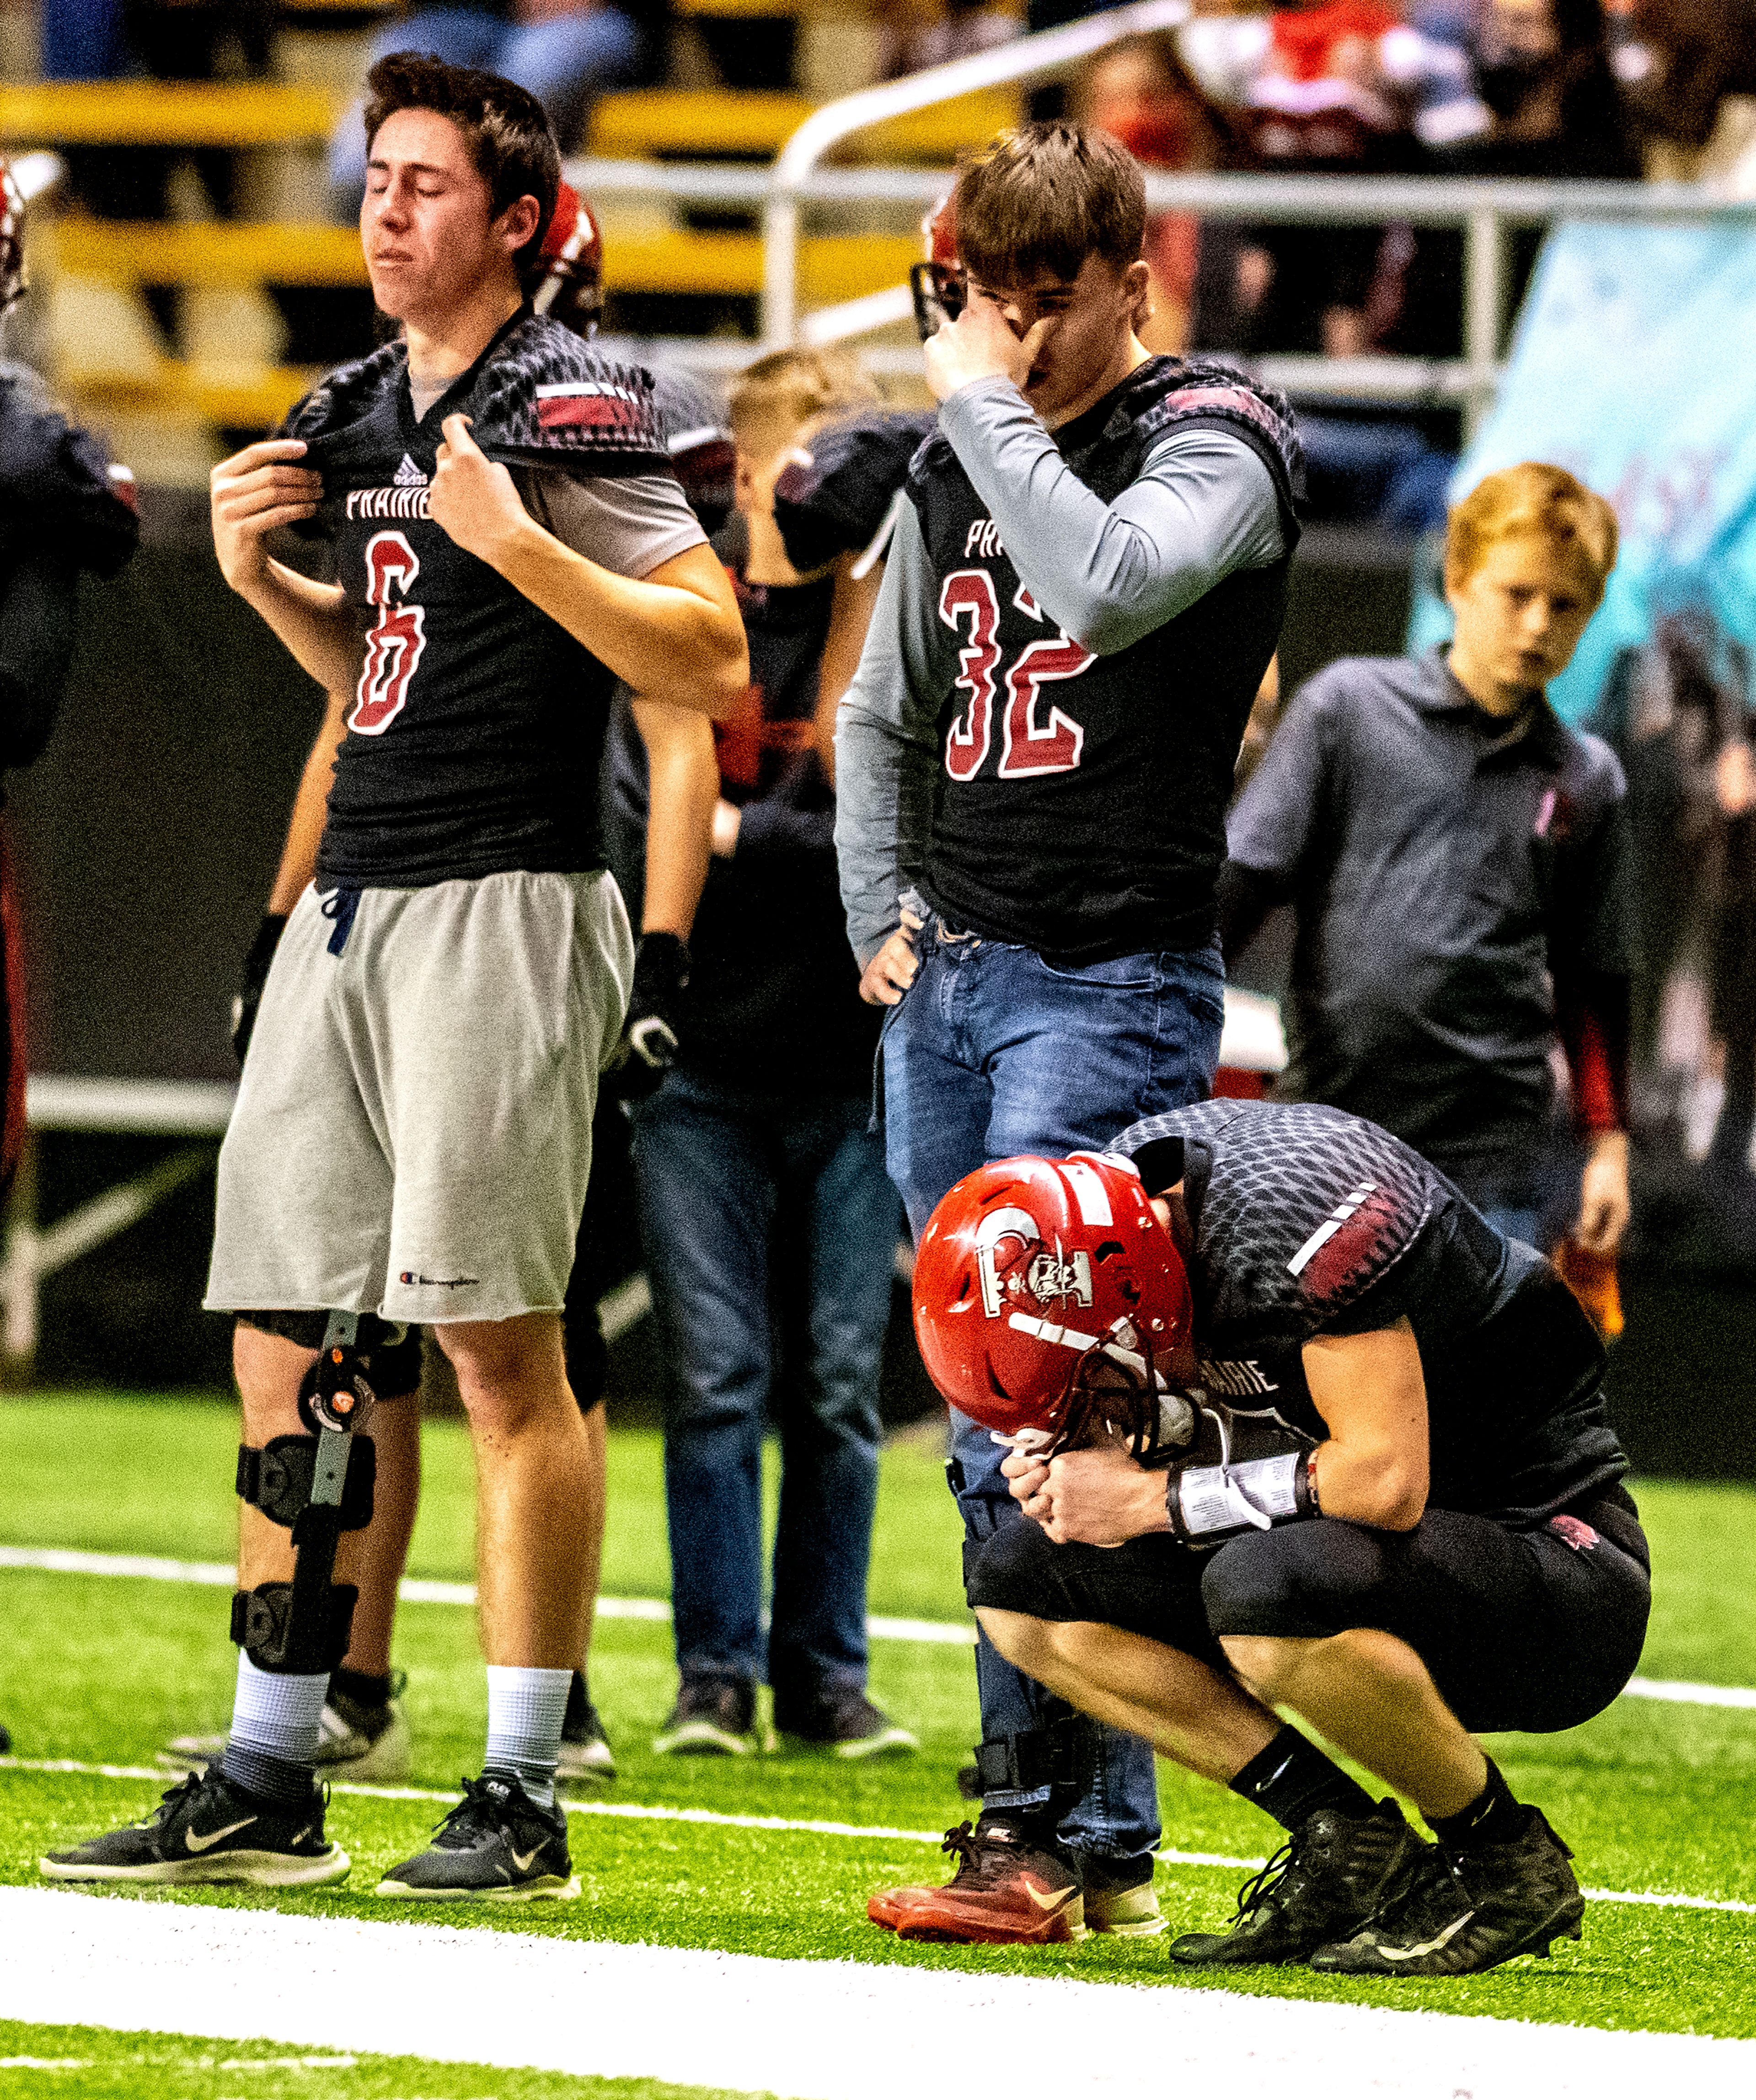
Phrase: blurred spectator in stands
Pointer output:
(1690, 71)
(1141, 92)
(91, 40)
(83, 40)
(169, 39)
(1544, 71)
(564, 51)
(920, 33)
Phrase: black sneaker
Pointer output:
(714, 1717)
(585, 1752)
(496, 1845)
(842, 1720)
(1469, 1911)
(1331, 1875)
(209, 1829)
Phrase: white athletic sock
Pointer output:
(275, 1722)
(525, 1710)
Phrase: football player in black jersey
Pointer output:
(365, 1730)
(64, 508)
(1085, 587)
(1298, 1430)
(411, 1140)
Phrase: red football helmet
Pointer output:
(1046, 1294)
(12, 279)
(571, 288)
(937, 284)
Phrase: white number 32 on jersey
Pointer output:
(1036, 736)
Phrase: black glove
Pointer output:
(657, 1008)
(248, 995)
(1242, 1471)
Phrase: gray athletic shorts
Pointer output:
(413, 1135)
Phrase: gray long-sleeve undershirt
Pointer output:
(1203, 505)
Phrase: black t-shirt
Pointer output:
(774, 1004)
(1308, 1221)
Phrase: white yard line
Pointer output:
(817, 2030)
(636, 1811)
(220, 1575)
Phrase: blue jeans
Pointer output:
(770, 1230)
(563, 63)
(995, 1052)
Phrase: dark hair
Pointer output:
(1043, 198)
(507, 130)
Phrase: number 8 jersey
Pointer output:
(1080, 806)
(476, 728)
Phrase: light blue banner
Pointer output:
(1635, 367)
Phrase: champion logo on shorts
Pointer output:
(436, 1282)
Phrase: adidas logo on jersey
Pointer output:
(408, 475)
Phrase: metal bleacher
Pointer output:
(665, 256)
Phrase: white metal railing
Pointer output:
(1041, 57)
(1484, 211)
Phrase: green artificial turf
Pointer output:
(1653, 1797)
(96, 2063)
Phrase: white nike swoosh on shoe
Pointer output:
(521, 1861)
(1429, 1947)
(1047, 1902)
(202, 1841)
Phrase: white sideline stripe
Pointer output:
(414, 1590)
(817, 2030)
(220, 1575)
(1688, 1695)
(644, 1812)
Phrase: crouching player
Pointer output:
(1302, 1431)
(412, 1136)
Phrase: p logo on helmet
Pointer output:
(1047, 1288)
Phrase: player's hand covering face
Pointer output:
(1056, 339)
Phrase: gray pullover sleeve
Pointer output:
(1203, 507)
(887, 742)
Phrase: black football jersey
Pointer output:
(476, 730)
(1079, 807)
(1310, 1221)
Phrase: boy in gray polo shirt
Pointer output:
(1457, 859)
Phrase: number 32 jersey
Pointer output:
(1080, 805)
(476, 728)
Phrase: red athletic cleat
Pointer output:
(1006, 1892)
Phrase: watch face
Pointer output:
(938, 290)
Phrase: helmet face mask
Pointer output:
(1049, 1304)
(12, 279)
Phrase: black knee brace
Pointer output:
(316, 1486)
(1052, 1758)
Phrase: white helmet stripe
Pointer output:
(1093, 1196)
